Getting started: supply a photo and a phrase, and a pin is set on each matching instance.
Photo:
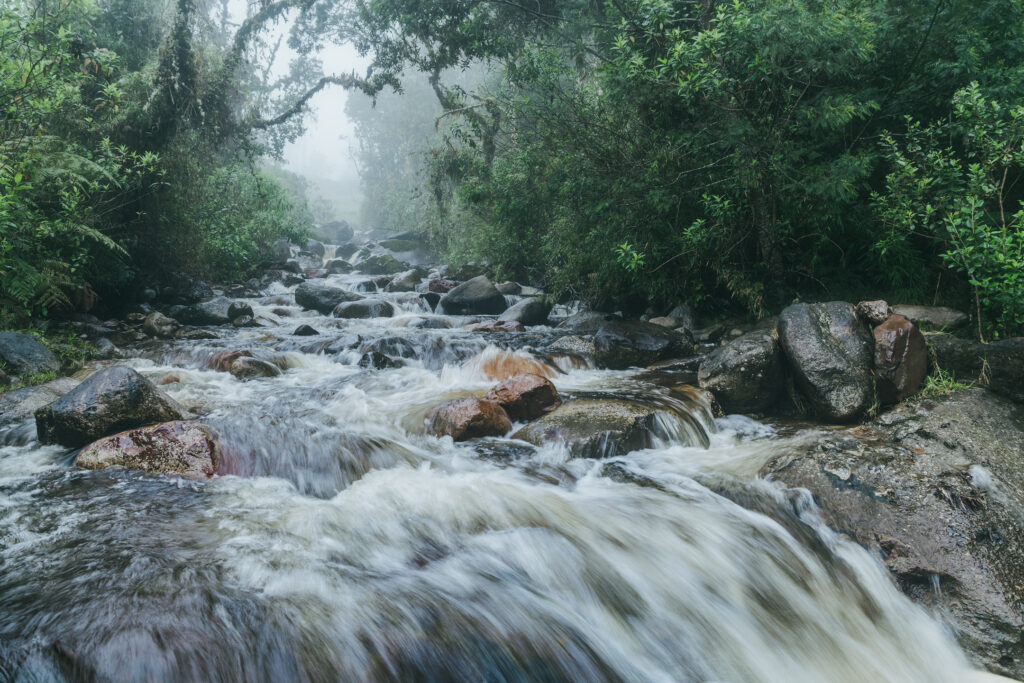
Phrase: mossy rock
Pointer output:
(400, 245)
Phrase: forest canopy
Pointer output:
(733, 155)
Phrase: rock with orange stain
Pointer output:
(180, 447)
(506, 365)
(468, 418)
(525, 397)
(499, 326)
(221, 362)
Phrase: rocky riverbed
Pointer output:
(362, 469)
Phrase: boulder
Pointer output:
(395, 347)
(25, 355)
(160, 326)
(829, 353)
(21, 404)
(684, 314)
(574, 345)
(247, 367)
(106, 350)
(441, 286)
(322, 298)
(467, 272)
(509, 288)
(712, 334)
(468, 418)
(873, 312)
(594, 428)
(432, 299)
(525, 397)
(999, 365)
(378, 361)
(499, 326)
(364, 308)
(338, 266)
(586, 322)
(934, 489)
(405, 281)
(666, 321)
(901, 359)
(188, 449)
(216, 311)
(111, 400)
(621, 344)
(315, 248)
(746, 375)
(532, 311)
(474, 297)
(305, 331)
(197, 291)
(281, 250)
(239, 309)
(221, 362)
(933, 317)
(381, 264)
(339, 231)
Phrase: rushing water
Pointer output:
(342, 543)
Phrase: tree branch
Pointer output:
(347, 81)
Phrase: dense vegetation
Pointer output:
(727, 154)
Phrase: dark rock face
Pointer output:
(441, 286)
(629, 343)
(997, 365)
(381, 264)
(378, 361)
(338, 266)
(246, 367)
(932, 317)
(216, 311)
(315, 248)
(745, 375)
(873, 312)
(185, 448)
(240, 309)
(322, 298)
(586, 322)
(594, 428)
(525, 397)
(112, 400)
(829, 353)
(196, 292)
(474, 297)
(25, 355)
(395, 347)
(531, 311)
(305, 331)
(365, 308)
(684, 314)
(901, 359)
(281, 251)
(468, 418)
(934, 488)
(159, 325)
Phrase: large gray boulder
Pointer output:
(188, 449)
(322, 298)
(381, 264)
(110, 401)
(477, 296)
(621, 344)
(594, 428)
(829, 353)
(586, 322)
(999, 365)
(160, 326)
(934, 488)
(25, 355)
(364, 308)
(932, 317)
(529, 311)
(217, 311)
(746, 375)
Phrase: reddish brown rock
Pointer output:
(245, 367)
(901, 359)
(221, 362)
(506, 364)
(500, 326)
(525, 397)
(179, 447)
(441, 286)
(468, 418)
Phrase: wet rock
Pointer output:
(379, 361)
(504, 365)
(525, 397)
(684, 314)
(239, 308)
(338, 266)
(745, 375)
(25, 355)
(366, 286)
(712, 334)
(395, 347)
(246, 367)
(509, 288)
(405, 281)
(499, 326)
(112, 400)
(532, 311)
(345, 250)
(829, 353)
(622, 344)
(188, 449)
(340, 231)
(5, 379)
(934, 488)
(221, 362)
(21, 404)
(468, 271)
(322, 298)
(381, 264)
(245, 321)
(932, 317)
(305, 331)
(901, 359)
(594, 428)
(873, 312)
(281, 250)
(216, 311)
(666, 321)
(292, 266)
(160, 326)
(365, 308)
(196, 292)
(474, 297)
(999, 365)
(106, 350)
(468, 418)
(573, 344)
(429, 324)
(586, 322)
(441, 285)
(432, 299)
(194, 334)
(315, 248)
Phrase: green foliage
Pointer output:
(941, 383)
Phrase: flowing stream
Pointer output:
(341, 543)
